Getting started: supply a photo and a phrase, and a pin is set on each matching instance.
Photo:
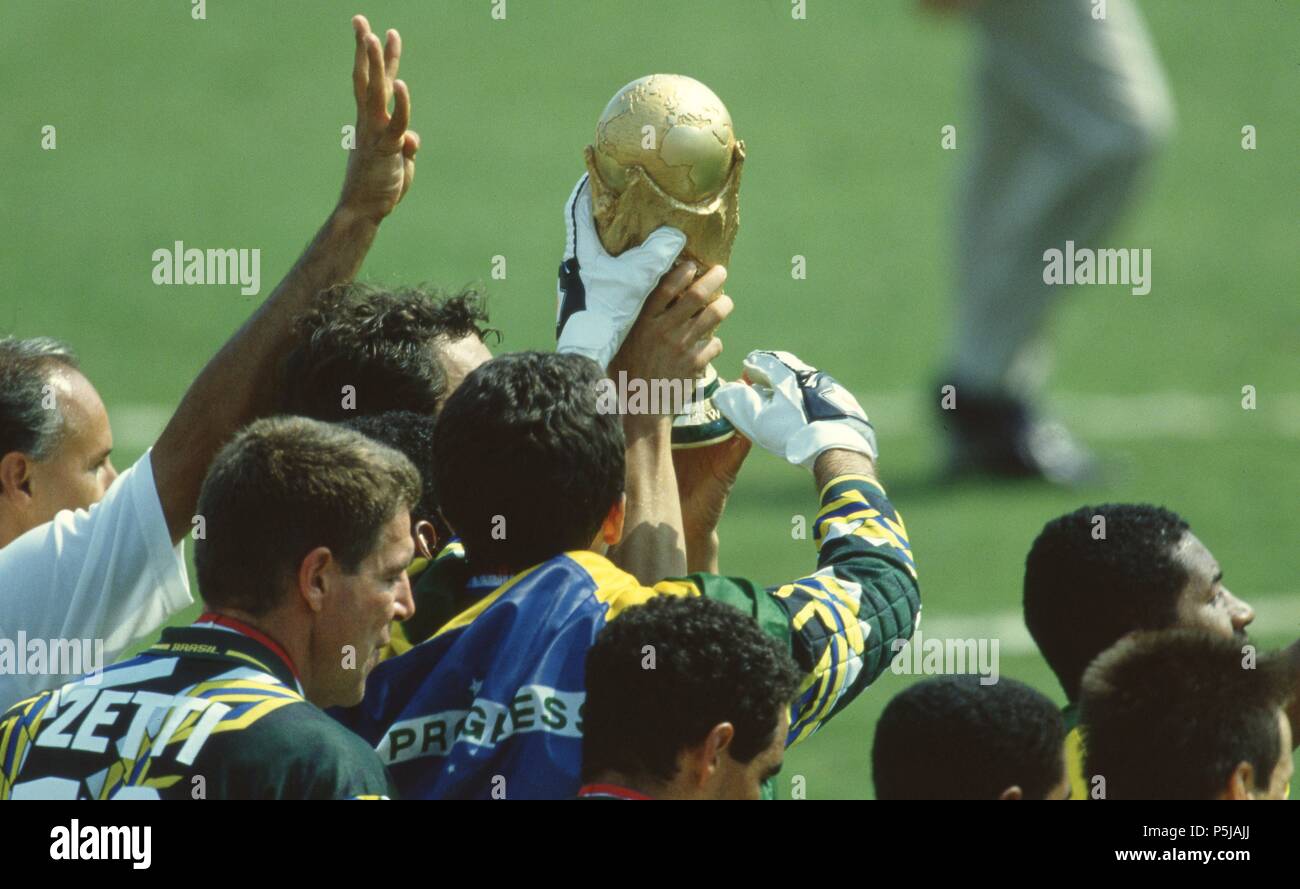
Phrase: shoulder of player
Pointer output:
(302, 750)
(302, 726)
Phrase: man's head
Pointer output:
(687, 698)
(1101, 572)
(525, 465)
(402, 349)
(1186, 714)
(952, 737)
(412, 435)
(54, 436)
(306, 534)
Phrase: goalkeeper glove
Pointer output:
(794, 410)
(600, 296)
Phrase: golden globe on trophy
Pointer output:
(665, 153)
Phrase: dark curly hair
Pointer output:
(380, 342)
(951, 737)
(1081, 594)
(525, 467)
(1170, 715)
(712, 664)
(412, 435)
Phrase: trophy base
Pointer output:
(702, 424)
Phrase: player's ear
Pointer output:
(716, 744)
(1240, 783)
(426, 538)
(701, 762)
(1012, 792)
(611, 530)
(312, 577)
(15, 478)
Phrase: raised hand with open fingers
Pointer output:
(382, 165)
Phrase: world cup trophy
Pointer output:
(665, 153)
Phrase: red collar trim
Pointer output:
(221, 620)
(610, 790)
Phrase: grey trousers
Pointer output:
(1069, 109)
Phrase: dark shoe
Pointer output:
(1000, 436)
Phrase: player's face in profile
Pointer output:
(79, 472)
(1206, 603)
(745, 780)
(460, 357)
(368, 601)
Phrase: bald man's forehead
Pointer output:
(80, 407)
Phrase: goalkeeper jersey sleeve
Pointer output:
(841, 621)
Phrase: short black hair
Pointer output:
(1170, 714)
(1083, 592)
(412, 435)
(25, 367)
(525, 466)
(712, 664)
(952, 737)
(380, 342)
(282, 487)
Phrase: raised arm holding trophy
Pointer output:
(662, 185)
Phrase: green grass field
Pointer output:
(226, 133)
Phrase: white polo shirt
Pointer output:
(79, 589)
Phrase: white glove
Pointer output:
(795, 411)
(600, 296)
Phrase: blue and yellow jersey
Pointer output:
(206, 713)
(491, 703)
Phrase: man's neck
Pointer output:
(267, 627)
(9, 532)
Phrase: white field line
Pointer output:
(1152, 415)
(1138, 417)
(1118, 418)
(1275, 616)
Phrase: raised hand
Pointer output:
(382, 165)
(672, 338)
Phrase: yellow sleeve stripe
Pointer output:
(270, 705)
(824, 522)
(851, 477)
(828, 608)
(812, 719)
(852, 495)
